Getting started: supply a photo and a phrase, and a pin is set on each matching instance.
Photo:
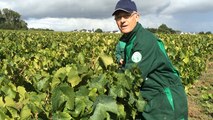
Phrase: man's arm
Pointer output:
(119, 52)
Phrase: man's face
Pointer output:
(126, 21)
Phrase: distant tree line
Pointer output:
(10, 19)
(40, 29)
(166, 30)
(205, 32)
(162, 29)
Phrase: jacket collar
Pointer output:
(128, 36)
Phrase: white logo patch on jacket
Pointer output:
(136, 57)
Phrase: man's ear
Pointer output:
(137, 17)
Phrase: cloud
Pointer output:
(64, 8)
(188, 6)
(185, 15)
(154, 21)
(4, 5)
(69, 24)
(151, 6)
(77, 9)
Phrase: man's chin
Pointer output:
(125, 31)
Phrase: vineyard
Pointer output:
(71, 75)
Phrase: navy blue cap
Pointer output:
(125, 5)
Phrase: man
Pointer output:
(162, 87)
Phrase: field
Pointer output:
(71, 75)
(200, 96)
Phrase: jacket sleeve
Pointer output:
(119, 51)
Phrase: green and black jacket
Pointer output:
(161, 80)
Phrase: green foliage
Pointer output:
(98, 30)
(209, 32)
(10, 19)
(61, 75)
(153, 30)
(207, 99)
(40, 29)
(189, 54)
(164, 29)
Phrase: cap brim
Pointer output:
(120, 9)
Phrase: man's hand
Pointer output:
(121, 61)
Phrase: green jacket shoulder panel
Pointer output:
(154, 63)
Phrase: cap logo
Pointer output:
(136, 57)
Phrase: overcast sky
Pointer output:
(67, 15)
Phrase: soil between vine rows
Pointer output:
(195, 101)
